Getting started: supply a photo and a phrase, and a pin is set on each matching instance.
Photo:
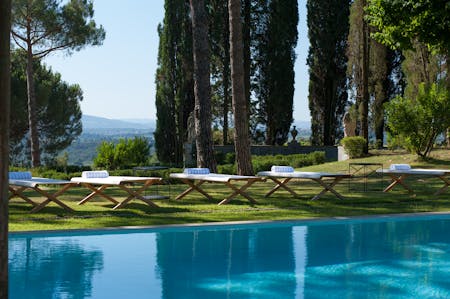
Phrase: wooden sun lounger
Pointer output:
(398, 177)
(120, 181)
(17, 186)
(196, 180)
(325, 179)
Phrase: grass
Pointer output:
(280, 206)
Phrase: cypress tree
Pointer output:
(374, 74)
(220, 65)
(277, 38)
(174, 82)
(327, 31)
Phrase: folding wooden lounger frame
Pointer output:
(398, 177)
(196, 180)
(325, 179)
(98, 186)
(18, 186)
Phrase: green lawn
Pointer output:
(197, 209)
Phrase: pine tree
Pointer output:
(327, 31)
(240, 105)
(41, 27)
(202, 88)
(58, 107)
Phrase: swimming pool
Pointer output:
(391, 257)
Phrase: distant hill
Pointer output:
(302, 124)
(95, 122)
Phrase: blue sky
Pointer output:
(118, 78)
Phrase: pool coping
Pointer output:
(227, 223)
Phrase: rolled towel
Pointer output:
(20, 175)
(400, 167)
(196, 170)
(276, 168)
(97, 174)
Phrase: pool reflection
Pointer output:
(396, 259)
(241, 263)
(51, 268)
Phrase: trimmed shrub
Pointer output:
(262, 163)
(354, 146)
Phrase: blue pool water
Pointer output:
(380, 258)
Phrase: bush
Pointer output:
(354, 146)
(419, 121)
(226, 168)
(125, 154)
(263, 163)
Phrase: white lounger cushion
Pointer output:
(400, 167)
(212, 177)
(95, 174)
(196, 170)
(301, 174)
(20, 175)
(276, 168)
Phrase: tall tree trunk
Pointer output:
(32, 117)
(5, 98)
(240, 107)
(246, 44)
(202, 89)
(226, 78)
(364, 108)
(447, 80)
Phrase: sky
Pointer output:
(118, 78)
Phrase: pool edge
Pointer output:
(227, 223)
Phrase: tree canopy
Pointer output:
(40, 27)
(47, 26)
(58, 110)
(419, 121)
(400, 22)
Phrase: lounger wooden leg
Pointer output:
(136, 194)
(445, 187)
(237, 191)
(50, 198)
(328, 187)
(281, 184)
(193, 187)
(18, 192)
(96, 191)
(398, 180)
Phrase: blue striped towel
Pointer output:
(98, 174)
(20, 175)
(276, 168)
(196, 170)
(400, 167)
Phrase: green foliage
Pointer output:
(54, 25)
(264, 163)
(174, 82)
(400, 23)
(275, 69)
(59, 113)
(105, 155)
(419, 121)
(126, 153)
(327, 30)
(354, 146)
(427, 70)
